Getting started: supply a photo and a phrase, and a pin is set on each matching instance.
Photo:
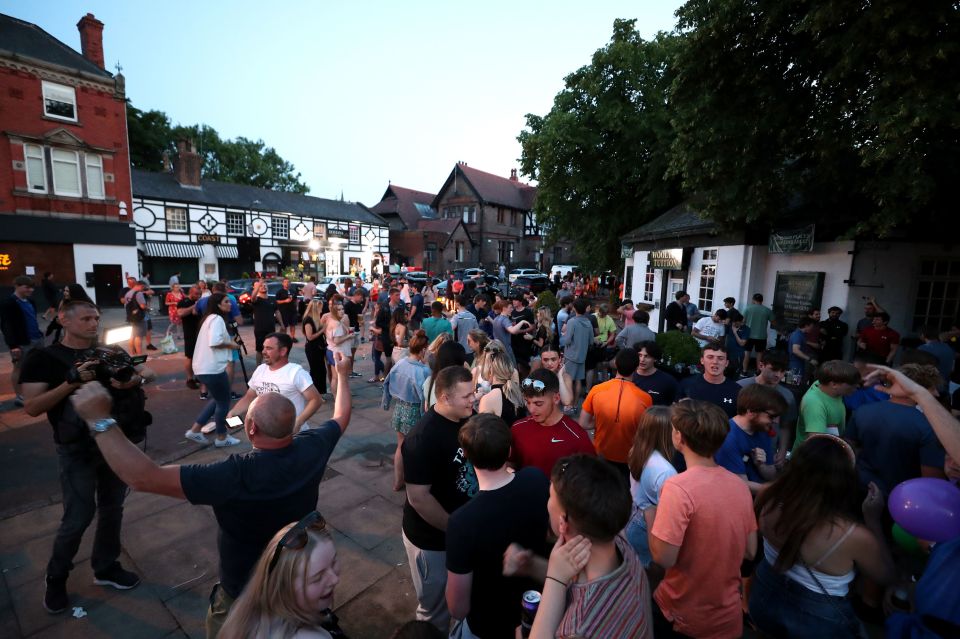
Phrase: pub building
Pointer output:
(796, 269)
(217, 230)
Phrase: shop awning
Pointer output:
(227, 252)
(172, 249)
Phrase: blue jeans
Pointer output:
(218, 386)
(636, 533)
(378, 366)
(89, 488)
(782, 607)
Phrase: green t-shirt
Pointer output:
(756, 317)
(433, 326)
(605, 326)
(819, 413)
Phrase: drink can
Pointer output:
(531, 601)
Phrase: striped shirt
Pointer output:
(615, 606)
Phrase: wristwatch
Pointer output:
(102, 425)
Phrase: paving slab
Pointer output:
(370, 523)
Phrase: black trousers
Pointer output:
(90, 488)
(317, 359)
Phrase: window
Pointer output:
(938, 294)
(451, 212)
(320, 230)
(505, 252)
(459, 256)
(94, 165)
(235, 225)
(557, 254)
(354, 234)
(469, 215)
(176, 219)
(281, 227)
(59, 101)
(647, 284)
(513, 219)
(628, 281)
(708, 276)
(36, 171)
(500, 216)
(66, 172)
(430, 252)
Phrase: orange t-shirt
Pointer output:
(708, 513)
(616, 407)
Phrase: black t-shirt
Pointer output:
(264, 315)
(256, 494)
(723, 395)
(314, 345)
(191, 322)
(382, 321)
(522, 348)
(286, 309)
(479, 533)
(353, 311)
(661, 386)
(432, 457)
(49, 366)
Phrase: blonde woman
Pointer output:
(315, 346)
(290, 594)
(339, 335)
(543, 337)
(504, 399)
(435, 345)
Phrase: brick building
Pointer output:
(64, 166)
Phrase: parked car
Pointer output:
(237, 287)
(533, 283)
(246, 301)
(563, 269)
(473, 272)
(522, 272)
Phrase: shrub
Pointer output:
(678, 348)
(547, 298)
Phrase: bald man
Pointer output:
(253, 495)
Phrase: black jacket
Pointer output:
(676, 314)
(13, 323)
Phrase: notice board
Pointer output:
(795, 293)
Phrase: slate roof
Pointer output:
(163, 186)
(27, 39)
(493, 189)
(679, 221)
(401, 201)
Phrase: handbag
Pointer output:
(167, 345)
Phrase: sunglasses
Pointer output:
(296, 537)
(533, 386)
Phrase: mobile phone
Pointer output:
(234, 422)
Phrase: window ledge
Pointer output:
(71, 198)
(51, 118)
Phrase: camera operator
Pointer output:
(50, 375)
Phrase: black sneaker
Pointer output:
(55, 598)
(116, 577)
(151, 347)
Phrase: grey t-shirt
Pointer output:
(635, 333)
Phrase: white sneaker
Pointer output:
(228, 441)
(197, 437)
(209, 428)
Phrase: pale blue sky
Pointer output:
(358, 93)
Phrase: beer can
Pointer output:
(531, 601)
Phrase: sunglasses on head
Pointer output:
(296, 537)
(533, 386)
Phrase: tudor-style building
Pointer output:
(217, 230)
(64, 167)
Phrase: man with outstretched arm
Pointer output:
(253, 495)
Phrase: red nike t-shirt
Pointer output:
(541, 446)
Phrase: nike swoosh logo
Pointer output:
(555, 441)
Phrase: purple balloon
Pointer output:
(927, 508)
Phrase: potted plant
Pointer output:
(680, 351)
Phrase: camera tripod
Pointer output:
(234, 327)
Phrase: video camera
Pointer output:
(110, 364)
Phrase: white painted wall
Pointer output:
(831, 258)
(86, 255)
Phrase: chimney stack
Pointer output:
(513, 175)
(91, 39)
(186, 169)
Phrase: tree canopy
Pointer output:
(764, 112)
(240, 161)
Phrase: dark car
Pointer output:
(246, 301)
(237, 287)
(535, 284)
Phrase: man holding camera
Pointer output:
(49, 377)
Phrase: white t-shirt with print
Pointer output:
(707, 326)
(290, 381)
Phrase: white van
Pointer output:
(563, 269)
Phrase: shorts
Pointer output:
(288, 318)
(405, 416)
(189, 344)
(575, 370)
(258, 338)
(329, 357)
(758, 345)
(139, 328)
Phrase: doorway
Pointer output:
(107, 284)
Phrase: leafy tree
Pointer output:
(601, 153)
(844, 113)
(240, 161)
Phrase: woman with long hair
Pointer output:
(543, 336)
(649, 463)
(435, 345)
(400, 332)
(210, 358)
(477, 340)
(339, 337)
(504, 399)
(450, 353)
(315, 346)
(174, 296)
(815, 544)
(404, 385)
(290, 594)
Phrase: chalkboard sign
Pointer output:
(795, 294)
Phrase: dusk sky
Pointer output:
(358, 94)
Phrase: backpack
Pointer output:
(134, 311)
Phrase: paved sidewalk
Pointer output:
(172, 544)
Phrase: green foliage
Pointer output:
(240, 161)
(678, 348)
(601, 153)
(245, 276)
(547, 298)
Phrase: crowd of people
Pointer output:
(559, 480)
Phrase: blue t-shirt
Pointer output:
(723, 395)
(864, 396)
(734, 455)
(734, 350)
(256, 494)
(797, 338)
(30, 317)
(234, 307)
(894, 442)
